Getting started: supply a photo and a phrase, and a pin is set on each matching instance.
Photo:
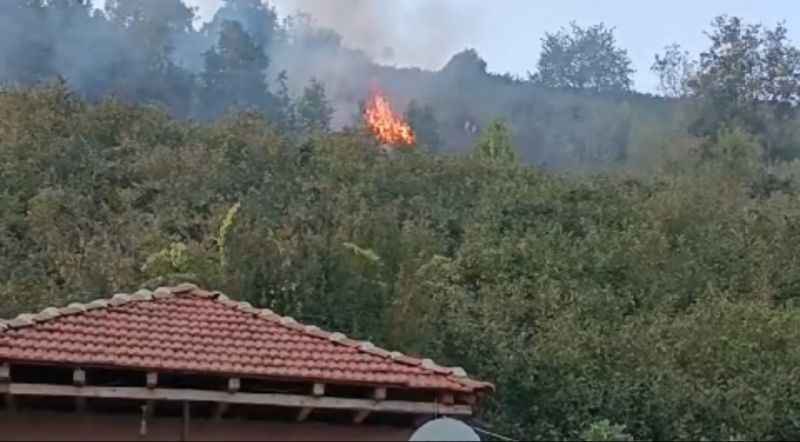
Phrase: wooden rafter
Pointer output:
(234, 384)
(79, 380)
(152, 379)
(5, 373)
(271, 399)
(361, 416)
(5, 390)
(219, 412)
(304, 413)
(318, 390)
(378, 396)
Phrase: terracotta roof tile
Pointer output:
(187, 329)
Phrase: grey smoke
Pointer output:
(422, 33)
(419, 34)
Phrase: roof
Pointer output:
(188, 330)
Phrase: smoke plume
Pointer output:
(422, 33)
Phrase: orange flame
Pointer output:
(388, 127)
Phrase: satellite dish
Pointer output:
(445, 429)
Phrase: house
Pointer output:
(183, 363)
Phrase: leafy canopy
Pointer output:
(585, 59)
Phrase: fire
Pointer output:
(388, 127)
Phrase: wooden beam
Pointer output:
(187, 416)
(147, 412)
(152, 379)
(219, 412)
(361, 416)
(271, 399)
(304, 413)
(5, 389)
(379, 394)
(234, 385)
(79, 380)
(79, 377)
(149, 408)
(318, 390)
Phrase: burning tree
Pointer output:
(388, 127)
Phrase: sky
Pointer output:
(507, 33)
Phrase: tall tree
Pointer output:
(314, 111)
(675, 70)
(256, 17)
(584, 58)
(747, 66)
(235, 75)
(749, 78)
(287, 118)
(144, 71)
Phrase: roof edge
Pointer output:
(23, 320)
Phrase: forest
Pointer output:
(621, 266)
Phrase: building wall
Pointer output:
(27, 426)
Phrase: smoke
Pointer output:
(152, 51)
(422, 33)
(414, 33)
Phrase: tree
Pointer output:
(234, 74)
(495, 144)
(256, 17)
(749, 77)
(584, 58)
(314, 111)
(675, 70)
(286, 117)
(145, 71)
(423, 121)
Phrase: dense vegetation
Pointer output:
(576, 111)
(666, 302)
(659, 292)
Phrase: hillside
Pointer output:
(666, 303)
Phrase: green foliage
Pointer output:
(224, 228)
(675, 70)
(734, 152)
(667, 302)
(234, 72)
(604, 431)
(495, 144)
(584, 59)
(749, 77)
(314, 110)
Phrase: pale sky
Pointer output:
(507, 33)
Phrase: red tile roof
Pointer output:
(188, 330)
